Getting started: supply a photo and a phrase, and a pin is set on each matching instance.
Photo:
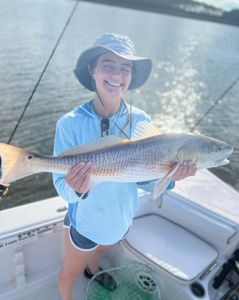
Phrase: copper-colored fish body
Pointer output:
(140, 159)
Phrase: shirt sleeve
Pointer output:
(64, 140)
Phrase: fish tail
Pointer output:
(13, 164)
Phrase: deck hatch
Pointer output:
(170, 246)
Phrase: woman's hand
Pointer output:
(187, 168)
(79, 177)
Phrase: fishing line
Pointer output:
(42, 73)
(215, 103)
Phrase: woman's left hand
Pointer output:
(187, 168)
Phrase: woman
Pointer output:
(105, 214)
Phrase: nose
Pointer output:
(115, 72)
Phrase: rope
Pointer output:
(42, 73)
(215, 103)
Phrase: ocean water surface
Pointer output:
(194, 84)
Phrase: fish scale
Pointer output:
(143, 158)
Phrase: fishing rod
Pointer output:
(3, 188)
(42, 73)
(230, 266)
(215, 103)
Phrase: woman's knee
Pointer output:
(102, 249)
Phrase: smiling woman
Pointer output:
(109, 68)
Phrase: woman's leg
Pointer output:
(93, 263)
(105, 278)
(73, 265)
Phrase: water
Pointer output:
(194, 63)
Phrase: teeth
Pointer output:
(114, 83)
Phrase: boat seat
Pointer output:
(170, 246)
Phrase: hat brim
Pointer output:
(142, 67)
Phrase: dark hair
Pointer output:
(93, 63)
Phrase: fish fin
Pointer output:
(145, 129)
(162, 183)
(102, 143)
(13, 164)
(187, 151)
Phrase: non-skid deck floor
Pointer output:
(49, 290)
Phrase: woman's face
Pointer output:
(112, 75)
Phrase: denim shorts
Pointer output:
(78, 240)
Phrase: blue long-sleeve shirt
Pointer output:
(107, 212)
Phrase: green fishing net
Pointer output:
(135, 281)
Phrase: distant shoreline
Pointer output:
(182, 8)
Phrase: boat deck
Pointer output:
(49, 290)
(203, 207)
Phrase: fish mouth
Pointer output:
(224, 161)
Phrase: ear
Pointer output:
(91, 71)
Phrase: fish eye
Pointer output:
(30, 157)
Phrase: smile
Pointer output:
(114, 84)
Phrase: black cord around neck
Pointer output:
(129, 119)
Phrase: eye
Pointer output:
(126, 71)
(107, 67)
(30, 157)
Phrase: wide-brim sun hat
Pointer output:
(123, 47)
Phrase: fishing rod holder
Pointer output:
(232, 265)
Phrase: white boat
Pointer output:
(188, 238)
